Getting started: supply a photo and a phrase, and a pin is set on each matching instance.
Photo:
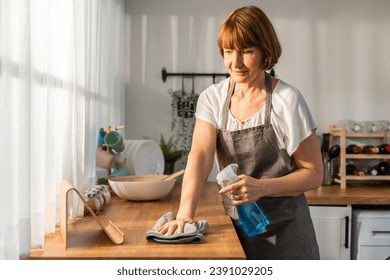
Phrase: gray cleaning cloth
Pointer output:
(192, 233)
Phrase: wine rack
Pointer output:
(340, 134)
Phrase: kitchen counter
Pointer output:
(357, 194)
(86, 240)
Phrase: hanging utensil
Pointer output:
(182, 86)
(334, 152)
(325, 145)
(193, 79)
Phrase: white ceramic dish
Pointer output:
(141, 188)
(144, 157)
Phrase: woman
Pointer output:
(264, 125)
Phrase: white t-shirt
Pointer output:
(290, 116)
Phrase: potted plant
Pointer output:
(170, 152)
(183, 106)
(183, 103)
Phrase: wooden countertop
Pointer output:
(86, 240)
(358, 194)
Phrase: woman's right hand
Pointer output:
(199, 165)
(175, 226)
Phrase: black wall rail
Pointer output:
(165, 74)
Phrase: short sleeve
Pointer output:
(204, 109)
(210, 103)
(294, 119)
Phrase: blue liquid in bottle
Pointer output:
(252, 218)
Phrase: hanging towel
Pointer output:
(192, 233)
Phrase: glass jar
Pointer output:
(99, 196)
(93, 202)
(106, 193)
(351, 125)
(383, 125)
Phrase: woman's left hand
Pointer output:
(247, 190)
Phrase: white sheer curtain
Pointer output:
(61, 79)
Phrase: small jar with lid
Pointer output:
(350, 125)
(106, 193)
(99, 196)
(93, 202)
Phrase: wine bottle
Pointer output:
(383, 168)
(384, 148)
(370, 149)
(352, 169)
(372, 170)
(353, 149)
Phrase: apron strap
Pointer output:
(225, 109)
(268, 104)
(268, 89)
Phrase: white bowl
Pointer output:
(141, 188)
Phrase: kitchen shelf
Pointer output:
(363, 156)
(339, 131)
(342, 135)
(367, 177)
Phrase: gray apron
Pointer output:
(290, 234)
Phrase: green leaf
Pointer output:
(169, 148)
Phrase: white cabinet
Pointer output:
(371, 234)
(332, 225)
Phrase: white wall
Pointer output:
(337, 52)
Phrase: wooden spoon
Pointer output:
(174, 175)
